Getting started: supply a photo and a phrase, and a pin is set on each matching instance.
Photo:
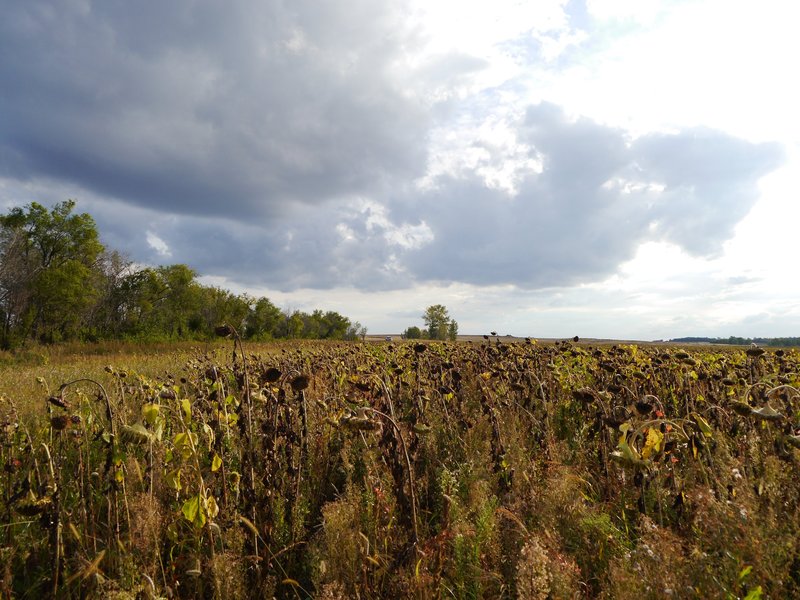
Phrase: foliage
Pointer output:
(262, 321)
(47, 261)
(58, 283)
(340, 470)
(413, 333)
(439, 325)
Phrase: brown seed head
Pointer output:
(272, 375)
(223, 330)
(60, 422)
(57, 401)
(299, 383)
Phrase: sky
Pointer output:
(622, 169)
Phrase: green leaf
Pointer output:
(705, 428)
(158, 431)
(185, 442)
(625, 449)
(625, 454)
(173, 479)
(150, 412)
(653, 444)
(172, 531)
(755, 594)
(421, 428)
(211, 508)
(628, 461)
(187, 408)
(119, 457)
(216, 463)
(193, 511)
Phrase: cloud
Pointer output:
(710, 183)
(596, 199)
(159, 245)
(233, 109)
(309, 145)
(599, 195)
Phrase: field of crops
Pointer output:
(404, 470)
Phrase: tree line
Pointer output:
(782, 342)
(58, 282)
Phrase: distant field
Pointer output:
(521, 339)
(461, 338)
(344, 470)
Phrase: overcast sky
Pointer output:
(602, 168)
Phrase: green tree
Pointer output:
(181, 300)
(108, 314)
(292, 325)
(452, 330)
(334, 326)
(313, 324)
(50, 285)
(218, 306)
(356, 331)
(412, 333)
(439, 324)
(58, 282)
(16, 273)
(138, 298)
(263, 320)
(162, 303)
(63, 298)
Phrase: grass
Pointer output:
(439, 470)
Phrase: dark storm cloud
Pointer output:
(599, 196)
(234, 108)
(305, 248)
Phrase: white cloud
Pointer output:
(486, 145)
(159, 245)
